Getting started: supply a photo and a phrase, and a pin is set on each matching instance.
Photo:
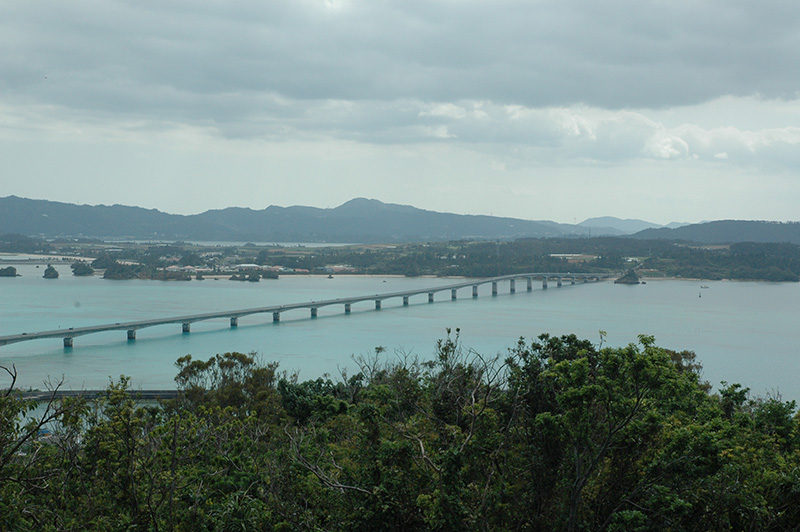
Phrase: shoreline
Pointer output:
(32, 258)
(16, 259)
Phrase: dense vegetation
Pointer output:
(120, 271)
(559, 435)
(630, 277)
(358, 220)
(614, 255)
(728, 231)
(14, 243)
(746, 261)
(81, 269)
(50, 272)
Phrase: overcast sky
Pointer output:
(669, 110)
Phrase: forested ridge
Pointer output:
(558, 434)
(657, 258)
(358, 220)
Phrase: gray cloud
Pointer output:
(378, 90)
(214, 60)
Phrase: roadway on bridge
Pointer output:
(132, 326)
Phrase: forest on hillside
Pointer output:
(657, 258)
(559, 434)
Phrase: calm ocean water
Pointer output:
(741, 332)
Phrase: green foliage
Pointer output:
(308, 400)
(763, 261)
(234, 382)
(50, 272)
(120, 271)
(562, 434)
(103, 261)
(630, 277)
(16, 243)
(669, 258)
(191, 259)
(80, 268)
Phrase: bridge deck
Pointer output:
(68, 334)
(144, 395)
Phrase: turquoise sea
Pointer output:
(741, 332)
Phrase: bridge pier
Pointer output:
(132, 327)
(559, 282)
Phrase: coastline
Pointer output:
(32, 258)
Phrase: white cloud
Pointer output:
(440, 132)
(574, 124)
(446, 110)
(668, 147)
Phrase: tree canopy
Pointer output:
(81, 268)
(558, 434)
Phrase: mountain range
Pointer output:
(357, 221)
(608, 226)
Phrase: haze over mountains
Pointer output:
(609, 225)
(357, 221)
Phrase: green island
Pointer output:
(50, 272)
(81, 269)
(9, 271)
(630, 277)
(560, 434)
(748, 261)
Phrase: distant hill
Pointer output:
(675, 225)
(359, 220)
(610, 226)
(728, 231)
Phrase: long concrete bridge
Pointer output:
(276, 310)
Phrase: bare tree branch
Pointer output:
(314, 468)
(13, 374)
